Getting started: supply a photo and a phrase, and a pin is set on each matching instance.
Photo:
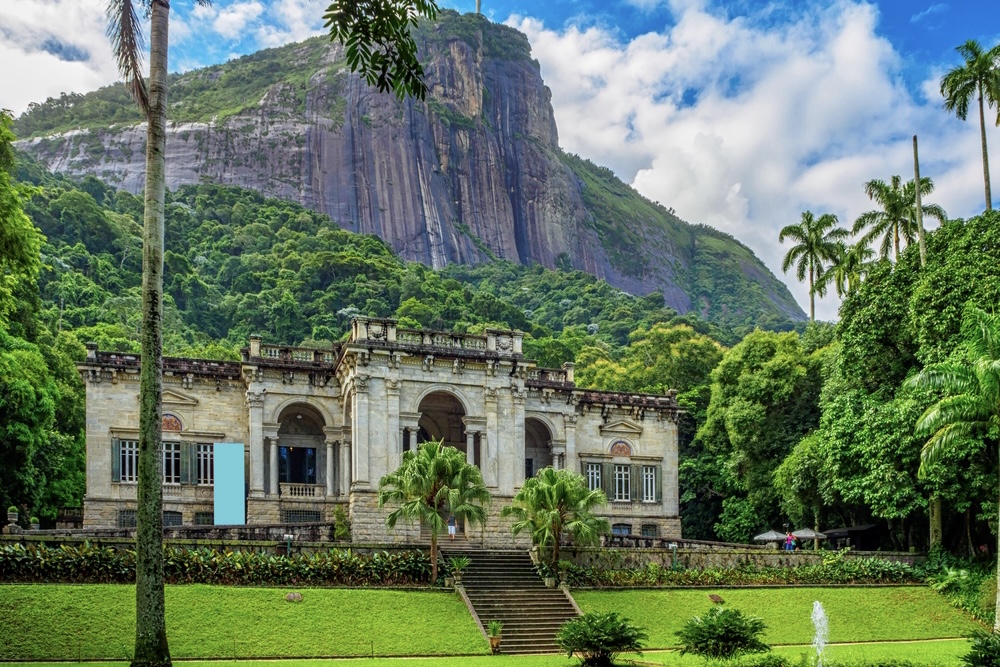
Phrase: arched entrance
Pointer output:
(537, 446)
(441, 419)
(301, 452)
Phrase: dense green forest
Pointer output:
(809, 426)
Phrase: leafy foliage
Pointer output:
(985, 649)
(91, 564)
(599, 637)
(723, 633)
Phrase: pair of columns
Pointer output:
(410, 442)
(332, 446)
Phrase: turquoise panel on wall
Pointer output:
(230, 485)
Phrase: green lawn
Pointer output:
(59, 622)
(855, 614)
(943, 653)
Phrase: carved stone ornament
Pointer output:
(491, 393)
(171, 423)
(570, 420)
(621, 448)
(361, 384)
(392, 385)
(255, 399)
(376, 330)
(505, 343)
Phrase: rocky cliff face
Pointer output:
(473, 173)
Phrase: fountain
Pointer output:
(822, 631)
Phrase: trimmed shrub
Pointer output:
(87, 563)
(722, 633)
(598, 637)
(985, 651)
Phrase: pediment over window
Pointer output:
(622, 427)
(171, 397)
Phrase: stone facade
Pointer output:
(321, 428)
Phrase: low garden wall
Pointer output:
(732, 556)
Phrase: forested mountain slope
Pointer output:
(473, 174)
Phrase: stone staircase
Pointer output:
(503, 585)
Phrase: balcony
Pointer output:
(288, 490)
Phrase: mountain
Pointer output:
(473, 174)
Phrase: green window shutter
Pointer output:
(116, 460)
(608, 480)
(635, 482)
(186, 463)
(658, 477)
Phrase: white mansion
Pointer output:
(321, 427)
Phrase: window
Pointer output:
(649, 530)
(171, 463)
(649, 484)
(621, 529)
(593, 476)
(204, 518)
(301, 516)
(206, 465)
(126, 518)
(129, 461)
(529, 468)
(172, 519)
(623, 486)
(297, 465)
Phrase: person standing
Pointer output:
(789, 542)
(451, 526)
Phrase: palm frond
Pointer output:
(127, 44)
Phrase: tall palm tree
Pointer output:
(849, 268)
(431, 482)
(554, 502)
(896, 219)
(125, 32)
(979, 77)
(971, 406)
(818, 242)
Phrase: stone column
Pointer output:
(345, 467)
(489, 440)
(413, 438)
(558, 455)
(329, 467)
(518, 396)
(470, 447)
(570, 422)
(274, 466)
(255, 404)
(359, 432)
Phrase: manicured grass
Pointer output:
(67, 622)
(855, 614)
(943, 653)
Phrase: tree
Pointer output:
(849, 268)
(20, 242)
(897, 215)
(817, 243)
(379, 45)
(431, 482)
(555, 502)
(978, 77)
(971, 405)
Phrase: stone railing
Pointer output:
(502, 342)
(441, 339)
(548, 375)
(287, 354)
(302, 490)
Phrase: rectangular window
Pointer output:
(126, 518)
(206, 465)
(649, 484)
(621, 529)
(649, 530)
(529, 468)
(594, 476)
(297, 465)
(171, 463)
(204, 518)
(623, 486)
(129, 460)
(172, 518)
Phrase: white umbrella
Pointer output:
(770, 536)
(808, 534)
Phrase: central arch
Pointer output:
(441, 418)
(537, 446)
(301, 446)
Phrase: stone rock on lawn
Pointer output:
(294, 597)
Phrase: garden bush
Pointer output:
(985, 650)
(598, 637)
(722, 633)
(89, 563)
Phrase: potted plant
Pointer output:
(493, 631)
(564, 568)
(12, 514)
(457, 565)
(34, 523)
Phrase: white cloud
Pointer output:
(232, 21)
(743, 124)
(52, 46)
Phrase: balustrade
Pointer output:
(302, 490)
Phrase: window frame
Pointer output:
(204, 464)
(622, 483)
(593, 475)
(129, 462)
(649, 484)
(172, 451)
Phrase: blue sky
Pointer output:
(737, 114)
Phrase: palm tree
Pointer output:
(430, 482)
(554, 502)
(978, 77)
(818, 242)
(849, 268)
(897, 217)
(379, 45)
(971, 405)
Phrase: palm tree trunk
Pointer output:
(986, 160)
(895, 239)
(434, 556)
(812, 297)
(937, 524)
(151, 647)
